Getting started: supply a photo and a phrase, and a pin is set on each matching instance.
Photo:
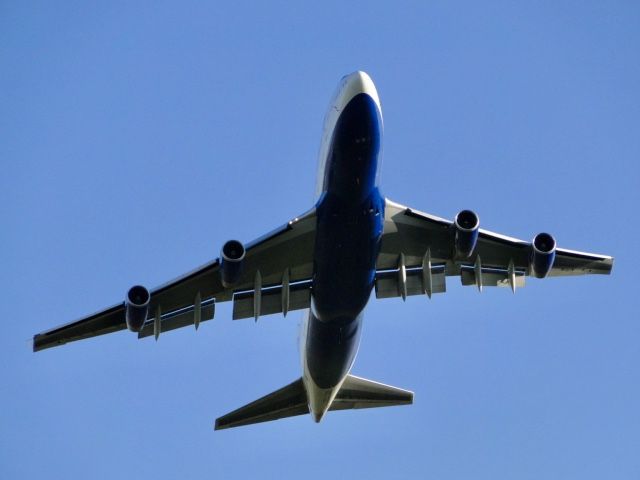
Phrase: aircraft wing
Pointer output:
(278, 264)
(417, 253)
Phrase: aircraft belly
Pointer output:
(346, 248)
(349, 215)
(331, 349)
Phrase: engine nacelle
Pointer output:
(543, 253)
(231, 262)
(467, 225)
(136, 306)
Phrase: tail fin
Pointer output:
(291, 400)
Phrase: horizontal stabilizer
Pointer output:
(286, 402)
(359, 392)
(291, 400)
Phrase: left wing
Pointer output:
(417, 252)
(280, 262)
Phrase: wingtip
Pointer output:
(35, 344)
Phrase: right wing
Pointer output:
(417, 254)
(279, 264)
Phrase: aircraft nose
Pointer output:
(350, 86)
(360, 82)
(357, 80)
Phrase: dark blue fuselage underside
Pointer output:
(350, 215)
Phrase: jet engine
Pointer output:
(136, 306)
(231, 262)
(543, 253)
(466, 224)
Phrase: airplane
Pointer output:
(327, 262)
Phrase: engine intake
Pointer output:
(543, 253)
(467, 225)
(136, 306)
(231, 262)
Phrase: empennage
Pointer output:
(291, 400)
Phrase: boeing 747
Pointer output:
(327, 261)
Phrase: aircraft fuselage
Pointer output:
(350, 215)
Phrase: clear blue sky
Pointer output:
(136, 139)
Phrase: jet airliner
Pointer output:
(327, 262)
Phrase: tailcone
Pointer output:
(319, 399)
